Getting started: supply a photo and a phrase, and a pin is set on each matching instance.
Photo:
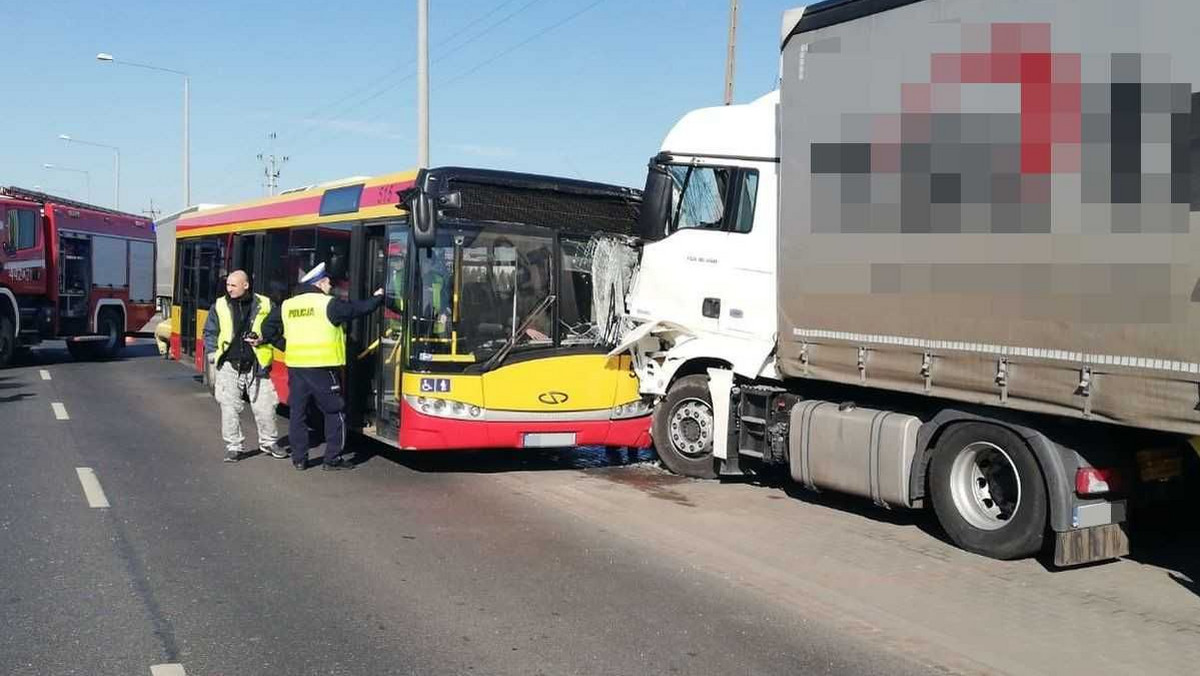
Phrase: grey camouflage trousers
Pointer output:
(230, 386)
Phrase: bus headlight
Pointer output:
(445, 408)
(633, 409)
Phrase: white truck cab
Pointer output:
(718, 235)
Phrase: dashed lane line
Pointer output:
(167, 670)
(60, 411)
(91, 488)
(45, 374)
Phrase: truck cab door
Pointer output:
(685, 277)
(22, 249)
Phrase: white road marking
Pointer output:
(45, 374)
(167, 670)
(91, 488)
(60, 411)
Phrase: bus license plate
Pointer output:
(548, 439)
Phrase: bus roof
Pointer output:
(378, 198)
(324, 203)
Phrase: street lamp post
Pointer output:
(87, 176)
(423, 84)
(187, 180)
(116, 164)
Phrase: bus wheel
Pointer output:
(988, 491)
(8, 341)
(683, 428)
(114, 336)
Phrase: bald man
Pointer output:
(235, 343)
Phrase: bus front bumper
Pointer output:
(422, 432)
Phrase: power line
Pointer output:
(465, 74)
(521, 44)
(316, 124)
(392, 84)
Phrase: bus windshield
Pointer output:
(484, 293)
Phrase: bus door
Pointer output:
(199, 269)
(380, 362)
(185, 294)
(391, 268)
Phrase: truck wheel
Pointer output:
(683, 428)
(114, 336)
(988, 491)
(8, 341)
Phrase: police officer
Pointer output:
(313, 329)
(234, 343)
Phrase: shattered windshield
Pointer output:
(484, 293)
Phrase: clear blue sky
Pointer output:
(591, 98)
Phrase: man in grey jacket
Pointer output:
(241, 354)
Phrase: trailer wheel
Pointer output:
(8, 341)
(988, 491)
(114, 336)
(683, 428)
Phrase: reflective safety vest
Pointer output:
(312, 340)
(264, 353)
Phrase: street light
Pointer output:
(187, 181)
(116, 160)
(87, 176)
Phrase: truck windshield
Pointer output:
(474, 290)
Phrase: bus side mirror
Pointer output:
(422, 209)
(656, 204)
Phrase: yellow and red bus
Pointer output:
(491, 334)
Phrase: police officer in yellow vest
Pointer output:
(315, 352)
(234, 343)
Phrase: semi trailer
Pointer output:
(952, 262)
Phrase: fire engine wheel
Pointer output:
(988, 491)
(8, 341)
(114, 336)
(683, 429)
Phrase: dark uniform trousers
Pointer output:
(323, 387)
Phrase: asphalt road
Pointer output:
(570, 562)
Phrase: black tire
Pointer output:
(988, 492)
(113, 331)
(8, 341)
(682, 437)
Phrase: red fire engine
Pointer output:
(73, 271)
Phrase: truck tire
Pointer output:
(8, 341)
(988, 491)
(114, 336)
(683, 428)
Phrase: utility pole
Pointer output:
(272, 166)
(422, 84)
(729, 58)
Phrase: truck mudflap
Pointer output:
(1089, 545)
